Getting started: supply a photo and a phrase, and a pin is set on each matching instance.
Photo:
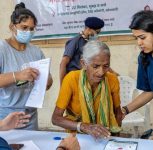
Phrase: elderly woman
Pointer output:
(90, 95)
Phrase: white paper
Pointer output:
(28, 145)
(121, 145)
(37, 94)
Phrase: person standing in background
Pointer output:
(73, 47)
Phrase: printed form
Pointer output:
(37, 94)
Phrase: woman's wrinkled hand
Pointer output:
(28, 74)
(96, 130)
(118, 115)
(123, 113)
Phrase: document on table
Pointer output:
(29, 145)
(121, 145)
(37, 94)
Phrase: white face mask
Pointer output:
(24, 36)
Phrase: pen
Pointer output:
(58, 138)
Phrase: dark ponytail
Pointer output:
(21, 13)
(20, 6)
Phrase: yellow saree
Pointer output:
(98, 107)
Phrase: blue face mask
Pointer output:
(24, 36)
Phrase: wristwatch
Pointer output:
(125, 110)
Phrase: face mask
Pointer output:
(24, 36)
(93, 37)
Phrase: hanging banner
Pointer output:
(64, 18)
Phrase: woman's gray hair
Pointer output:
(93, 48)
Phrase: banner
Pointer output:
(64, 18)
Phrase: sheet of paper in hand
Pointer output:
(37, 94)
(121, 145)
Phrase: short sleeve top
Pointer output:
(73, 49)
(145, 73)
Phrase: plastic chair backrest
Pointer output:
(127, 88)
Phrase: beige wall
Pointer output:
(123, 59)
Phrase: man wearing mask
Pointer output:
(73, 47)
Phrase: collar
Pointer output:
(82, 35)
